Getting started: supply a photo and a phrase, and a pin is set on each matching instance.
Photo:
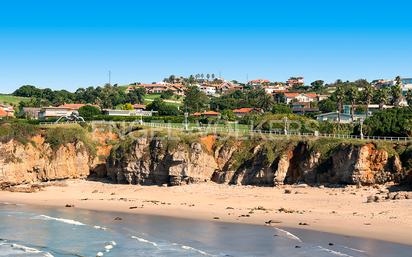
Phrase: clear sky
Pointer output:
(71, 44)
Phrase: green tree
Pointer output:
(195, 100)
(281, 109)
(228, 115)
(89, 111)
(327, 105)
(340, 95)
(409, 97)
(381, 97)
(352, 94)
(136, 96)
(167, 94)
(317, 85)
(368, 93)
(265, 102)
(127, 106)
(396, 94)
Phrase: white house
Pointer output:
(300, 97)
(208, 89)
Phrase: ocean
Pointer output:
(63, 232)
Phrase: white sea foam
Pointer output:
(195, 250)
(144, 240)
(67, 221)
(289, 235)
(26, 249)
(334, 252)
(354, 249)
(100, 227)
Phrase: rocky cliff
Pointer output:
(157, 160)
(183, 158)
(37, 161)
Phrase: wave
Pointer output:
(334, 252)
(67, 221)
(354, 249)
(99, 227)
(185, 247)
(144, 241)
(289, 235)
(18, 248)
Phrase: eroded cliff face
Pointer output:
(37, 161)
(152, 161)
(155, 161)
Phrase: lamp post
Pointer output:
(361, 128)
(286, 124)
(186, 125)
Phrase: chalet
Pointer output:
(154, 88)
(208, 89)
(274, 89)
(55, 112)
(227, 87)
(295, 81)
(245, 111)
(31, 112)
(334, 117)
(258, 82)
(206, 114)
(300, 97)
(137, 112)
(303, 108)
(6, 111)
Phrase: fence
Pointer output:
(228, 129)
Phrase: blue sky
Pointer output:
(71, 44)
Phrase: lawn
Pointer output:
(13, 100)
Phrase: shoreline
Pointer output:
(341, 211)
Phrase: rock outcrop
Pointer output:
(154, 162)
(159, 161)
(37, 161)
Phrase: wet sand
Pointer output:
(341, 211)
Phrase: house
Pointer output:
(226, 87)
(154, 88)
(258, 82)
(406, 84)
(6, 111)
(77, 106)
(303, 108)
(274, 89)
(206, 114)
(31, 112)
(300, 97)
(245, 111)
(55, 112)
(139, 106)
(344, 117)
(208, 89)
(137, 112)
(295, 81)
(322, 97)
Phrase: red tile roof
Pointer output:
(243, 110)
(75, 106)
(3, 113)
(211, 113)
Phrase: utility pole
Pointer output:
(361, 128)
(110, 77)
(286, 126)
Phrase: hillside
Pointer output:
(10, 99)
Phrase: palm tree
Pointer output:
(208, 76)
(352, 94)
(265, 102)
(382, 97)
(368, 92)
(396, 94)
(213, 76)
(409, 97)
(340, 97)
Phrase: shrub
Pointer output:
(59, 136)
(18, 130)
(89, 111)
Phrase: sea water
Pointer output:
(64, 232)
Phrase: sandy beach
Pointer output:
(337, 210)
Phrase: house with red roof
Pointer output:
(6, 111)
(245, 111)
(206, 114)
(300, 97)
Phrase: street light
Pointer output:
(186, 125)
(361, 128)
(286, 122)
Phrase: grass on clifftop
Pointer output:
(12, 100)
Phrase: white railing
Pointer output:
(227, 129)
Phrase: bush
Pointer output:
(59, 136)
(391, 122)
(17, 130)
(88, 111)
